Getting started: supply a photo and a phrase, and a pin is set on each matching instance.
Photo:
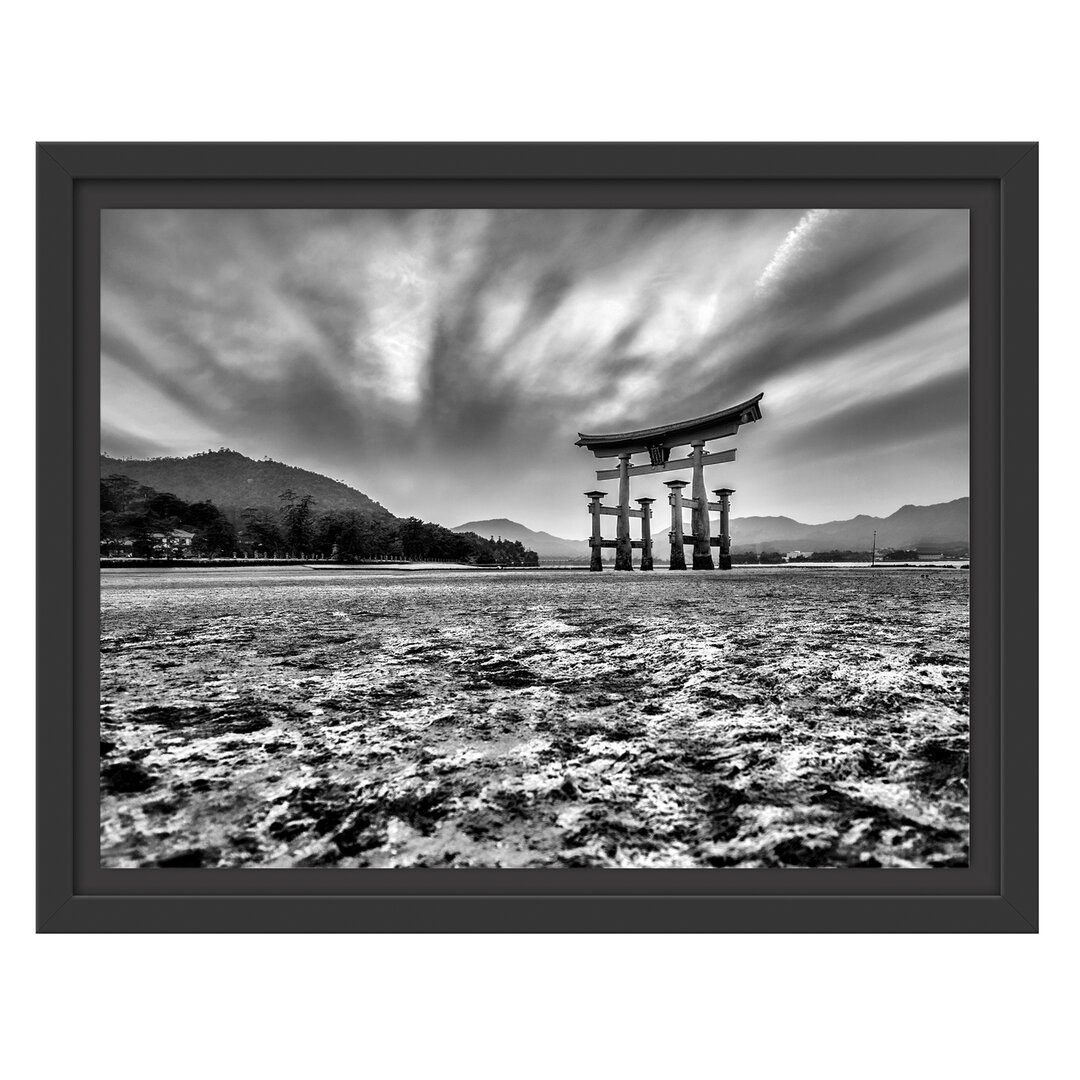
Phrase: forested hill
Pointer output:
(222, 504)
(234, 482)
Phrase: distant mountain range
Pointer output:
(942, 525)
(549, 548)
(939, 525)
(233, 482)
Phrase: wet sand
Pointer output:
(762, 717)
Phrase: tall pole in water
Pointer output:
(873, 550)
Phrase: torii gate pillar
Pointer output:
(624, 550)
(595, 561)
(646, 532)
(724, 539)
(677, 559)
(700, 515)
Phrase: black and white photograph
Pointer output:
(520, 538)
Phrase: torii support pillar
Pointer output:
(624, 550)
(724, 495)
(595, 562)
(703, 559)
(677, 560)
(646, 532)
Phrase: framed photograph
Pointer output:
(546, 538)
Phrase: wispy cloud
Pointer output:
(792, 248)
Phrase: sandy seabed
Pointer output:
(761, 717)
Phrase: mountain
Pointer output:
(549, 548)
(232, 482)
(941, 524)
(753, 530)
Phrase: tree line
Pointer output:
(883, 555)
(137, 520)
(771, 557)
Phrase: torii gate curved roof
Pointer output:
(715, 425)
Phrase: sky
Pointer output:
(444, 361)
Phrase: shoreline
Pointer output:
(437, 567)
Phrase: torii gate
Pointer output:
(658, 442)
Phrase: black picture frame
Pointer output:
(997, 892)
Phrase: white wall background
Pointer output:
(622, 1007)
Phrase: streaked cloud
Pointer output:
(443, 360)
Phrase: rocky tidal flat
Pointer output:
(762, 717)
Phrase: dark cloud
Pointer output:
(885, 423)
(120, 443)
(795, 345)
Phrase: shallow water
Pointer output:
(767, 716)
